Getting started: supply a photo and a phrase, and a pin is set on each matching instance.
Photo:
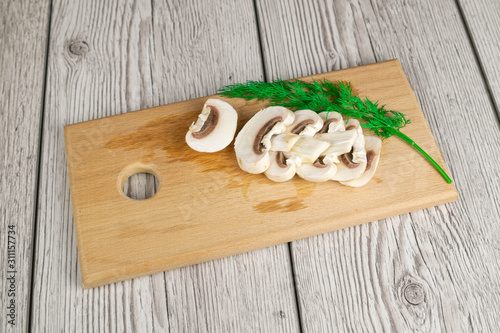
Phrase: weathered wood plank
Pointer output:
(482, 18)
(112, 57)
(433, 270)
(23, 41)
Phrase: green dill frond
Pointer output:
(325, 95)
(319, 96)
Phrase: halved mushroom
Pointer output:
(352, 164)
(253, 142)
(215, 127)
(281, 168)
(307, 122)
(373, 147)
(332, 122)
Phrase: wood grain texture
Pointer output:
(482, 19)
(23, 28)
(207, 207)
(112, 57)
(433, 270)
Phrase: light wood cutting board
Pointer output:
(206, 207)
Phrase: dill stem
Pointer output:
(417, 147)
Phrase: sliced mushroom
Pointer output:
(323, 168)
(215, 127)
(352, 164)
(341, 142)
(253, 142)
(284, 142)
(294, 140)
(281, 168)
(317, 171)
(332, 122)
(373, 147)
(308, 149)
(307, 122)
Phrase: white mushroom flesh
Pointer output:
(307, 123)
(308, 149)
(283, 142)
(278, 128)
(251, 152)
(352, 164)
(373, 147)
(323, 168)
(341, 142)
(215, 127)
(317, 147)
(332, 122)
(317, 171)
(281, 168)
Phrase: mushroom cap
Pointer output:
(253, 142)
(332, 122)
(352, 164)
(317, 171)
(215, 127)
(280, 169)
(307, 122)
(373, 147)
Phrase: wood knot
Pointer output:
(414, 294)
(79, 48)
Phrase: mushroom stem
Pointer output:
(421, 151)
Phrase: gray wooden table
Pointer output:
(434, 270)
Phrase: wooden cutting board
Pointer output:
(206, 207)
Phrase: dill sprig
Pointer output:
(325, 95)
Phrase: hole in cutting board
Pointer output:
(141, 186)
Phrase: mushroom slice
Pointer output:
(373, 147)
(317, 171)
(340, 143)
(281, 168)
(308, 149)
(215, 127)
(307, 122)
(253, 142)
(323, 168)
(332, 122)
(283, 142)
(352, 164)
